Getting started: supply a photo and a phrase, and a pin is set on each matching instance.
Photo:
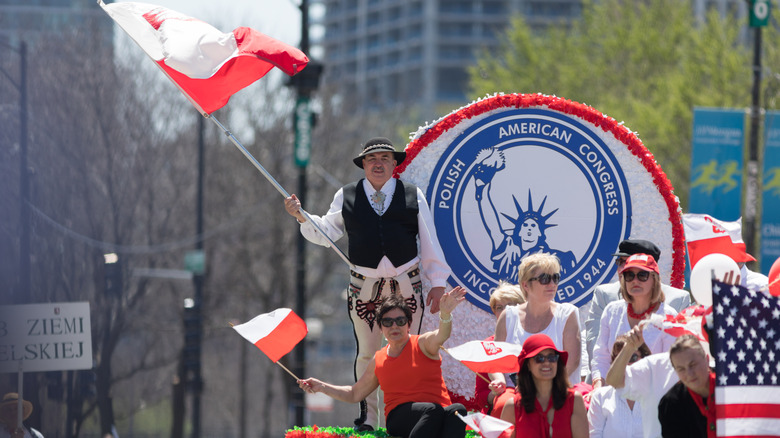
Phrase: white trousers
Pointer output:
(364, 297)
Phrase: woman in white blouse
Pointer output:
(610, 414)
(539, 275)
(640, 287)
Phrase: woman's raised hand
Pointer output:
(450, 300)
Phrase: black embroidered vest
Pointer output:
(371, 236)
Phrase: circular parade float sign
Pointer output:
(515, 174)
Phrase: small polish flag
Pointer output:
(706, 235)
(207, 65)
(488, 356)
(487, 426)
(275, 333)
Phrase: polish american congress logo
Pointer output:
(524, 181)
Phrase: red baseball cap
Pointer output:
(645, 262)
(537, 343)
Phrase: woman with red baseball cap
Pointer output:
(548, 406)
(640, 287)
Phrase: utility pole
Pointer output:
(305, 83)
(24, 184)
(759, 17)
(198, 274)
(22, 294)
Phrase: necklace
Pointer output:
(642, 315)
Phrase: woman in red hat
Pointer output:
(548, 406)
(640, 287)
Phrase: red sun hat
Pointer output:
(537, 343)
(645, 262)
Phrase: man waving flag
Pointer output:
(207, 65)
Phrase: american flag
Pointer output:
(747, 357)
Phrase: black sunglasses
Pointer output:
(546, 278)
(641, 275)
(634, 357)
(552, 358)
(388, 322)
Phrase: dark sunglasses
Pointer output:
(634, 357)
(546, 278)
(388, 322)
(552, 358)
(641, 275)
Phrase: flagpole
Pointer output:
(478, 374)
(288, 371)
(278, 186)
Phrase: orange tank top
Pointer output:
(410, 377)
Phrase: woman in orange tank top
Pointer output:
(417, 404)
(547, 406)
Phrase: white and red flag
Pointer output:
(706, 235)
(488, 356)
(206, 64)
(275, 333)
(688, 322)
(487, 426)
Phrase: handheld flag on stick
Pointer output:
(487, 426)
(275, 333)
(487, 356)
(207, 65)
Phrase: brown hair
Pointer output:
(395, 301)
(620, 342)
(686, 342)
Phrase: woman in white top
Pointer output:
(610, 414)
(640, 287)
(539, 275)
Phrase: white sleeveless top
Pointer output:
(516, 334)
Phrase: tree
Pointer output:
(646, 63)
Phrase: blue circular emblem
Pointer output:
(525, 181)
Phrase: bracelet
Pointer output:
(445, 320)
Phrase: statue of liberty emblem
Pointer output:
(525, 181)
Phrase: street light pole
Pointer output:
(24, 184)
(197, 380)
(759, 15)
(303, 116)
(22, 294)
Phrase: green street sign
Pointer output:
(303, 127)
(759, 13)
(195, 262)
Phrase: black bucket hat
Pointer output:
(379, 144)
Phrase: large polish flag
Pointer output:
(275, 333)
(487, 426)
(488, 356)
(207, 65)
(706, 235)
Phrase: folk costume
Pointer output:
(383, 228)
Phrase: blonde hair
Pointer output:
(536, 262)
(505, 291)
(656, 295)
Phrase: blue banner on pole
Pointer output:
(770, 219)
(716, 162)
